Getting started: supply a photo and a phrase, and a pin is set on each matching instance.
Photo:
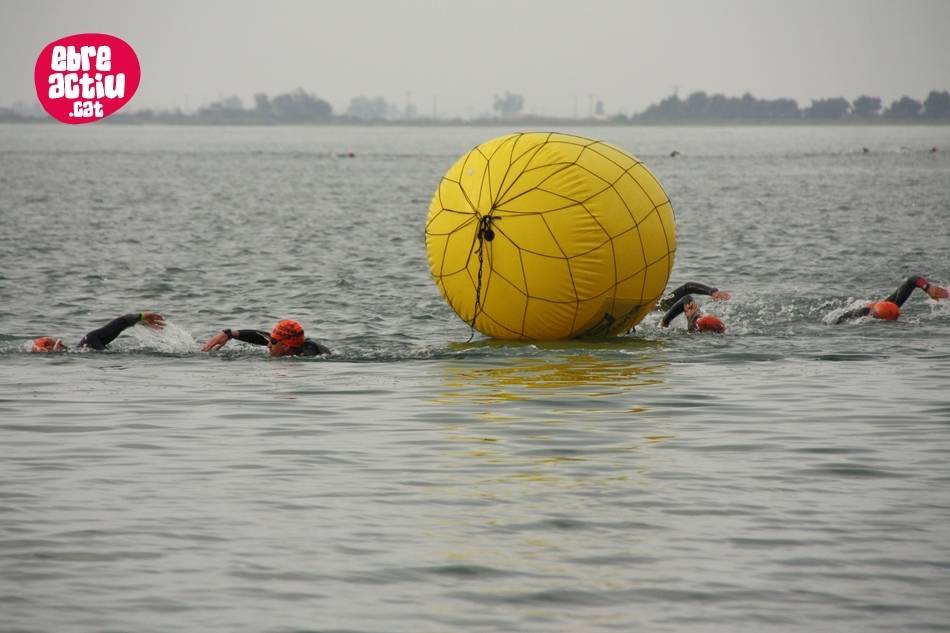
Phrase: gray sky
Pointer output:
(456, 54)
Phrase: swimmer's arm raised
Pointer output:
(696, 288)
(99, 338)
(693, 287)
(903, 291)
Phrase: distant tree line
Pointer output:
(718, 108)
(299, 106)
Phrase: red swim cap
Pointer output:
(709, 323)
(885, 310)
(288, 332)
(46, 344)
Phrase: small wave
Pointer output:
(839, 470)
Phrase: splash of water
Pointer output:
(169, 340)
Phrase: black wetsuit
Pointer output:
(259, 337)
(899, 296)
(677, 309)
(99, 338)
(692, 287)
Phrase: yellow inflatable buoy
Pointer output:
(549, 236)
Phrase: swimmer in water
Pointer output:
(696, 321)
(286, 339)
(889, 308)
(98, 339)
(692, 287)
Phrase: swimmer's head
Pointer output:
(47, 344)
(285, 338)
(710, 323)
(885, 310)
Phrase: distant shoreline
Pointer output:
(299, 107)
(518, 122)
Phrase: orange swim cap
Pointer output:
(288, 332)
(709, 323)
(46, 344)
(885, 310)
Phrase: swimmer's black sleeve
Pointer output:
(312, 348)
(676, 310)
(98, 339)
(254, 337)
(850, 315)
(691, 287)
(903, 291)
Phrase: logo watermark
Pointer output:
(86, 77)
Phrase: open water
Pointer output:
(790, 475)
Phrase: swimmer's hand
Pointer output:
(152, 320)
(216, 342)
(721, 295)
(937, 292)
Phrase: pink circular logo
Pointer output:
(86, 77)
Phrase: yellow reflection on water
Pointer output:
(577, 375)
(575, 417)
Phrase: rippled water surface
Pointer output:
(790, 475)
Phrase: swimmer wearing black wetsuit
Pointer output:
(99, 338)
(309, 347)
(286, 339)
(898, 297)
(696, 321)
(692, 287)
